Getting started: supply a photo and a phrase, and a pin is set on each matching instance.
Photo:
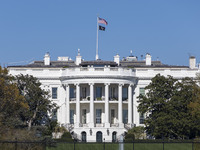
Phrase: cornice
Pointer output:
(98, 77)
(149, 78)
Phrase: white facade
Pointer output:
(98, 99)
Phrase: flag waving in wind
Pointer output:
(102, 28)
(102, 21)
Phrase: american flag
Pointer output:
(103, 21)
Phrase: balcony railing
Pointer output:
(91, 71)
(85, 98)
(99, 125)
(115, 125)
(83, 125)
(73, 99)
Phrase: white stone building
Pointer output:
(98, 99)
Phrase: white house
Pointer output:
(98, 99)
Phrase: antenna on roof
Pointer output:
(131, 53)
(141, 57)
(78, 51)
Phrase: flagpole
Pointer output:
(97, 56)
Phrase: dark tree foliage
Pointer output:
(36, 98)
(168, 103)
(11, 102)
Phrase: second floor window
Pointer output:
(142, 91)
(54, 93)
(72, 92)
(124, 93)
(98, 92)
(84, 92)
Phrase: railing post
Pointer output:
(163, 145)
(15, 143)
(74, 144)
(104, 144)
(192, 145)
(45, 143)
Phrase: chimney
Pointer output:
(192, 62)
(148, 59)
(78, 58)
(117, 59)
(47, 59)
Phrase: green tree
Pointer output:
(136, 133)
(36, 98)
(11, 102)
(167, 103)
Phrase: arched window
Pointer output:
(114, 136)
(99, 136)
(84, 136)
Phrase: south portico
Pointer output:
(97, 107)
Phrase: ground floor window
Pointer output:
(54, 114)
(84, 136)
(114, 136)
(125, 116)
(142, 118)
(71, 116)
(98, 115)
(99, 136)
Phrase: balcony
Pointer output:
(97, 71)
(85, 98)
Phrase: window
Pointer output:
(98, 115)
(54, 93)
(114, 136)
(112, 116)
(125, 116)
(84, 136)
(54, 114)
(124, 93)
(84, 116)
(71, 116)
(83, 92)
(142, 91)
(142, 118)
(113, 93)
(98, 92)
(72, 92)
(99, 136)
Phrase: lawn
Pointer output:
(127, 146)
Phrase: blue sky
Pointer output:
(167, 29)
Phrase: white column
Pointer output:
(77, 105)
(120, 105)
(91, 125)
(130, 104)
(67, 104)
(107, 124)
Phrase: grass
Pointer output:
(127, 146)
(100, 146)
